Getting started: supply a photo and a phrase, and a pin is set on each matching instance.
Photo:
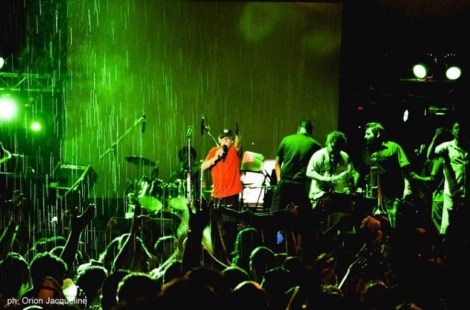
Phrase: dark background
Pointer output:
(380, 42)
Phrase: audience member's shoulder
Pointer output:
(444, 145)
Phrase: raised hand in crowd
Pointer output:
(112, 222)
(134, 255)
(15, 234)
(78, 223)
(198, 221)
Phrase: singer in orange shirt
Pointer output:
(224, 162)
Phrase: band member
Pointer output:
(388, 171)
(291, 192)
(331, 169)
(455, 213)
(332, 172)
(224, 162)
(292, 158)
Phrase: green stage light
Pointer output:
(453, 73)
(8, 107)
(437, 67)
(36, 126)
(420, 70)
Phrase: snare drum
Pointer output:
(151, 194)
(177, 195)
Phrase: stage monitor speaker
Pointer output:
(68, 179)
(252, 162)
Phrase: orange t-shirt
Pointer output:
(226, 178)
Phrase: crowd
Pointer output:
(322, 245)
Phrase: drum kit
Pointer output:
(154, 194)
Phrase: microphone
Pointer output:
(225, 152)
(189, 132)
(203, 126)
(143, 123)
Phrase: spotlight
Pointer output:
(453, 70)
(424, 67)
(36, 126)
(437, 67)
(420, 70)
(8, 107)
(2, 62)
(453, 73)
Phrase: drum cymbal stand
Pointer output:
(207, 128)
(204, 128)
(189, 197)
(375, 190)
(113, 148)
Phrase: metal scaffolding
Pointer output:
(28, 82)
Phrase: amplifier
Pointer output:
(71, 178)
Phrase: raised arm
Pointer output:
(134, 255)
(15, 222)
(432, 145)
(126, 253)
(78, 223)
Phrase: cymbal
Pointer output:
(140, 161)
(178, 203)
(150, 203)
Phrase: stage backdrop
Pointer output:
(257, 66)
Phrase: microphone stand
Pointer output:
(264, 186)
(189, 170)
(113, 149)
(207, 128)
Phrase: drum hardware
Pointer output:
(151, 194)
(140, 161)
(155, 195)
(267, 187)
(374, 190)
(177, 195)
(132, 159)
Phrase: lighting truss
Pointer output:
(29, 82)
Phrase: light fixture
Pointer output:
(8, 107)
(452, 67)
(406, 115)
(437, 67)
(424, 66)
(9, 63)
(420, 70)
(438, 110)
